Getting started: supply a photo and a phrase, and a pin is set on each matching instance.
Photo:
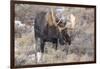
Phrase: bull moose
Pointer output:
(47, 29)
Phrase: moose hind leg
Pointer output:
(55, 44)
(42, 45)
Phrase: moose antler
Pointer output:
(54, 21)
(53, 17)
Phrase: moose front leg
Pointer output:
(40, 53)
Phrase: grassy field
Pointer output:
(81, 49)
